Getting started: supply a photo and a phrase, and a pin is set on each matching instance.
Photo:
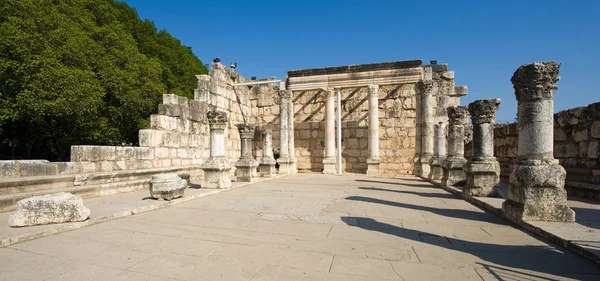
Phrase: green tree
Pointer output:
(84, 72)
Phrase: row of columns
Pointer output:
(536, 188)
(330, 160)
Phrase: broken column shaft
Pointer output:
(482, 169)
(246, 165)
(453, 166)
(216, 168)
(439, 152)
(536, 191)
(267, 162)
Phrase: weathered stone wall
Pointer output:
(397, 120)
(576, 146)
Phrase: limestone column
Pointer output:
(330, 158)
(373, 160)
(419, 119)
(482, 169)
(267, 162)
(427, 106)
(217, 167)
(246, 165)
(453, 166)
(439, 152)
(536, 191)
(284, 150)
(293, 160)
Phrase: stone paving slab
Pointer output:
(104, 208)
(284, 229)
(582, 236)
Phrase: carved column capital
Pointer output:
(246, 130)
(285, 95)
(217, 120)
(484, 111)
(457, 115)
(426, 86)
(373, 89)
(536, 81)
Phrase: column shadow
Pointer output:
(543, 259)
(429, 195)
(453, 213)
(424, 184)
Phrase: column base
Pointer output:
(453, 169)
(284, 165)
(246, 170)
(435, 164)
(424, 164)
(292, 166)
(373, 167)
(329, 166)
(417, 166)
(536, 193)
(482, 176)
(216, 173)
(266, 168)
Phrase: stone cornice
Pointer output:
(357, 79)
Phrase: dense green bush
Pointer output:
(84, 72)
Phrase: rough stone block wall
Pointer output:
(178, 136)
(576, 146)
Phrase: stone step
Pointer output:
(8, 201)
(31, 184)
(120, 176)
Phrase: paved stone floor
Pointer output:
(302, 227)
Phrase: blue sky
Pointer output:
(483, 41)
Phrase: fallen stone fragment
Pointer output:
(167, 186)
(54, 208)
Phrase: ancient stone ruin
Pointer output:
(381, 119)
(537, 181)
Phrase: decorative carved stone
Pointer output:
(267, 162)
(167, 186)
(54, 208)
(216, 168)
(287, 158)
(453, 166)
(439, 152)
(536, 191)
(246, 165)
(428, 103)
(482, 169)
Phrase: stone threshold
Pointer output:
(578, 238)
(107, 208)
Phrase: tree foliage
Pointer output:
(84, 72)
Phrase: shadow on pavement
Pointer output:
(425, 185)
(454, 213)
(539, 258)
(430, 195)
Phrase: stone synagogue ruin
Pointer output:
(390, 119)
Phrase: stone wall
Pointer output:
(397, 119)
(576, 146)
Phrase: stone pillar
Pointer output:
(284, 133)
(267, 162)
(536, 191)
(482, 169)
(427, 106)
(293, 160)
(373, 160)
(419, 119)
(217, 167)
(330, 158)
(439, 152)
(246, 165)
(453, 166)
